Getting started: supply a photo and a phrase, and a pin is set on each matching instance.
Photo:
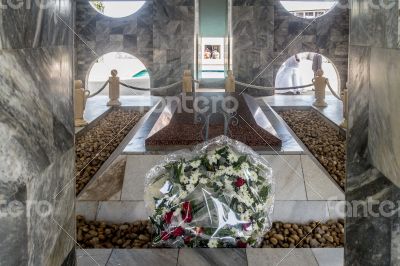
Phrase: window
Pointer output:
(130, 71)
(117, 9)
(298, 70)
(308, 9)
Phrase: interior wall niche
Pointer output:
(130, 70)
(298, 70)
(310, 9)
(117, 9)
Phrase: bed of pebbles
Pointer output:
(91, 234)
(95, 146)
(312, 235)
(138, 234)
(324, 141)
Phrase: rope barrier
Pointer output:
(265, 88)
(147, 89)
(100, 90)
(333, 92)
(133, 88)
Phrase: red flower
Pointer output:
(187, 239)
(187, 218)
(186, 206)
(165, 236)
(246, 226)
(187, 212)
(178, 231)
(240, 182)
(168, 217)
(241, 244)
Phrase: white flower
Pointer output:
(203, 180)
(232, 157)
(184, 179)
(213, 243)
(259, 207)
(195, 177)
(244, 166)
(213, 159)
(240, 208)
(253, 176)
(190, 188)
(219, 184)
(195, 164)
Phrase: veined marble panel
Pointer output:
(384, 110)
(374, 24)
(36, 133)
(29, 116)
(26, 24)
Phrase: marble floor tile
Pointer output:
(334, 110)
(107, 186)
(143, 257)
(98, 105)
(136, 169)
(215, 257)
(300, 211)
(88, 209)
(121, 211)
(288, 176)
(92, 257)
(329, 256)
(280, 256)
(337, 209)
(319, 186)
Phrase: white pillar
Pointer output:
(80, 98)
(345, 99)
(187, 81)
(113, 83)
(230, 82)
(320, 83)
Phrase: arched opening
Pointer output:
(298, 70)
(117, 9)
(130, 71)
(310, 9)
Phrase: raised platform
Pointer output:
(204, 257)
(261, 121)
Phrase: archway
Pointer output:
(310, 9)
(297, 71)
(117, 9)
(130, 71)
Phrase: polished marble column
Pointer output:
(373, 152)
(36, 133)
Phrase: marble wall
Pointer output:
(253, 41)
(264, 31)
(160, 34)
(372, 155)
(36, 133)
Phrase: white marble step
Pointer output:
(296, 211)
(297, 177)
(200, 257)
(302, 192)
